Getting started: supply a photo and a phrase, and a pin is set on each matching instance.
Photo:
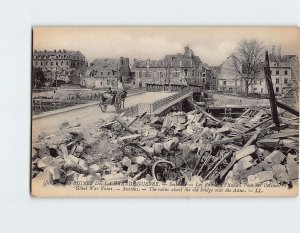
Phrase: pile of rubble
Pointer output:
(179, 147)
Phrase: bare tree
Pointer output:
(247, 60)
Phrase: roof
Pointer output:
(105, 63)
(59, 53)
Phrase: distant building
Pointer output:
(228, 79)
(173, 69)
(106, 72)
(60, 64)
(284, 74)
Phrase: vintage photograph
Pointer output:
(165, 111)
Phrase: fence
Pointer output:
(40, 104)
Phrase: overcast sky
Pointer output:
(213, 45)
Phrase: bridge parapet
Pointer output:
(153, 87)
(159, 105)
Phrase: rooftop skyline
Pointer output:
(213, 45)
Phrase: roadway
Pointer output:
(89, 115)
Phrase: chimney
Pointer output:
(45, 50)
(273, 50)
(55, 50)
(279, 51)
(60, 51)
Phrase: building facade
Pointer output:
(173, 69)
(60, 64)
(284, 74)
(106, 72)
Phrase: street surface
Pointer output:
(89, 115)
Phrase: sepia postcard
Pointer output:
(165, 111)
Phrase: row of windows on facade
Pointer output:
(276, 72)
(57, 57)
(108, 82)
(94, 72)
(51, 63)
(260, 82)
(161, 74)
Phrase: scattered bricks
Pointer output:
(82, 163)
(45, 162)
(70, 176)
(268, 142)
(148, 177)
(245, 152)
(140, 160)
(133, 168)
(73, 159)
(181, 119)
(55, 172)
(260, 177)
(224, 129)
(276, 157)
(93, 169)
(129, 137)
(149, 150)
(126, 162)
(292, 166)
(245, 163)
(79, 149)
(251, 171)
(58, 162)
(280, 173)
(158, 147)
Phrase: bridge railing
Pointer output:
(151, 108)
(153, 87)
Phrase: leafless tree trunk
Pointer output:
(247, 61)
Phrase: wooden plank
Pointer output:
(287, 108)
(271, 91)
(284, 134)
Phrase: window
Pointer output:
(36, 63)
(277, 89)
(52, 63)
(108, 73)
(277, 80)
(262, 90)
(203, 80)
(285, 81)
(277, 72)
(140, 74)
(46, 63)
(108, 82)
(255, 89)
(101, 83)
(41, 63)
(112, 82)
(67, 63)
(260, 82)
(57, 63)
(224, 82)
(285, 72)
(203, 75)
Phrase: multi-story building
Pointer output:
(173, 69)
(228, 79)
(284, 74)
(61, 64)
(106, 72)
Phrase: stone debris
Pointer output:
(181, 147)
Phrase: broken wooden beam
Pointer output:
(271, 91)
(123, 124)
(204, 112)
(287, 108)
